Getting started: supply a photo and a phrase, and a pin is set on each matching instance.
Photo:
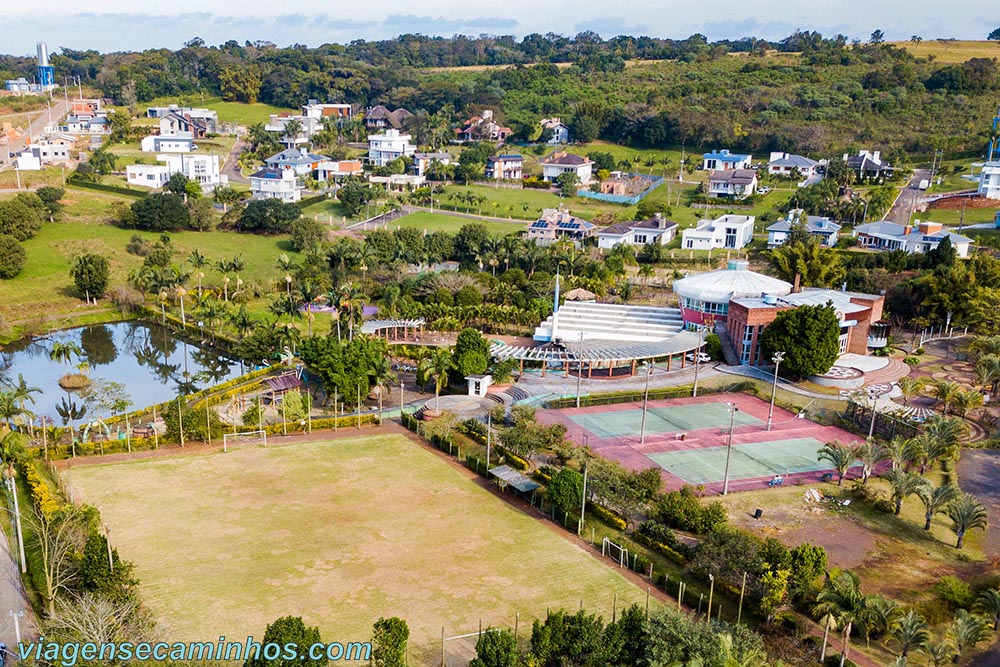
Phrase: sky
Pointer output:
(126, 25)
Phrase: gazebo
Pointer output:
(389, 329)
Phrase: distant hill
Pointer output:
(950, 51)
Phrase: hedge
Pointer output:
(607, 516)
(76, 182)
(41, 495)
(309, 201)
(654, 394)
(660, 547)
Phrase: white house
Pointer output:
(205, 169)
(917, 238)
(724, 160)
(554, 131)
(182, 142)
(732, 183)
(339, 112)
(333, 170)
(308, 126)
(505, 167)
(555, 225)
(789, 165)
(561, 163)
(729, 231)
(826, 230)
(206, 118)
(989, 181)
(656, 230)
(386, 147)
(272, 183)
(421, 161)
(28, 161)
(300, 162)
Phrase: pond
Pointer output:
(151, 364)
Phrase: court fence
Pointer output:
(745, 386)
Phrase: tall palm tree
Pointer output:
(966, 631)
(911, 632)
(352, 302)
(910, 387)
(945, 435)
(242, 320)
(382, 376)
(441, 363)
(870, 453)
(903, 484)
(9, 409)
(840, 456)
(940, 653)
(842, 599)
(291, 131)
(224, 266)
(23, 392)
(237, 264)
(902, 452)
(198, 262)
(946, 392)
(988, 604)
(966, 513)
(935, 499)
(64, 352)
(968, 400)
(988, 371)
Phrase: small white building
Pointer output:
(273, 183)
(554, 131)
(920, 237)
(728, 231)
(28, 161)
(989, 181)
(398, 182)
(388, 146)
(204, 169)
(505, 167)
(656, 230)
(182, 142)
(562, 163)
(421, 161)
(335, 170)
(826, 230)
(788, 165)
(732, 183)
(724, 161)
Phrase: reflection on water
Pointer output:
(149, 360)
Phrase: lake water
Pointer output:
(150, 361)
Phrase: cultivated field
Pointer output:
(340, 532)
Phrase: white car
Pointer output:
(763, 190)
(702, 357)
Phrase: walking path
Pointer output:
(13, 599)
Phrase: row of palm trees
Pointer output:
(951, 396)
(841, 604)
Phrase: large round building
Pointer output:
(705, 297)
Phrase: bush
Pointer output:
(607, 516)
(954, 592)
(306, 233)
(682, 510)
(911, 361)
(920, 350)
(12, 256)
(713, 346)
(126, 300)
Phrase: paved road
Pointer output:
(232, 166)
(39, 119)
(908, 199)
(12, 598)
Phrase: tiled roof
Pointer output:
(566, 160)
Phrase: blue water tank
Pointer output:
(46, 75)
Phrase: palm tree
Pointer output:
(843, 600)
(968, 400)
(291, 131)
(285, 304)
(236, 264)
(423, 373)
(935, 499)
(382, 376)
(870, 453)
(911, 631)
(352, 302)
(64, 352)
(988, 371)
(9, 409)
(224, 266)
(440, 364)
(198, 262)
(903, 484)
(940, 653)
(944, 435)
(966, 513)
(840, 456)
(946, 392)
(242, 320)
(966, 631)
(910, 387)
(988, 604)
(902, 452)
(23, 392)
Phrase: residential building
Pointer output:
(421, 161)
(182, 142)
(204, 169)
(561, 163)
(989, 181)
(388, 146)
(826, 230)
(208, 119)
(917, 238)
(557, 224)
(83, 124)
(505, 167)
(483, 128)
(274, 183)
(732, 183)
(724, 161)
(380, 118)
(704, 297)
(336, 170)
(340, 112)
(728, 231)
(789, 165)
(301, 162)
(656, 230)
(86, 107)
(27, 160)
(308, 126)
(176, 123)
(868, 164)
(554, 131)
(398, 182)
(857, 314)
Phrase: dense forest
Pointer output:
(805, 93)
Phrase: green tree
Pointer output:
(910, 631)
(988, 604)
(306, 233)
(808, 335)
(441, 363)
(775, 585)
(353, 197)
(935, 499)
(289, 630)
(966, 513)
(565, 491)
(966, 631)
(842, 601)
(268, 216)
(96, 574)
(840, 456)
(102, 161)
(121, 126)
(994, 35)
(472, 353)
(815, 265)
(162, 212)
(568, 182)
(21, 216)
(389, 637)
(51, 197)
(903, 484)
(495, 648)
(12, 256)
(90, 275)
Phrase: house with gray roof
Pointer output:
(656, 230)
(555, 225)
(826, 230)
(868, 164)
(732, 183)
(919, 237)
(301, 162)
(789, 165)
(561, 162)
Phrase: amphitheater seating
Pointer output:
(611, 322)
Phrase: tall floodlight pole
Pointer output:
(697, 360)
(733, 409)
(645, 403)
(777, 359)
(871, 428)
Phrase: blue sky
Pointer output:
(120, 25)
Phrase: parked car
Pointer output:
(763, 190)
(702, 357)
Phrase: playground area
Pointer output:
(688, 438)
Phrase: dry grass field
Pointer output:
(340, 532)
(952, 51)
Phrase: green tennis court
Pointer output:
(671, 419)
(759, 459)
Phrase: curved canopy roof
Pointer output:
(596, 351)
(732, 283)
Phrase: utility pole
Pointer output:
(697, 359)
(107, 541)
(733, 409)
(17, 517)
(777, 359)
(583, 501)
(16, 615)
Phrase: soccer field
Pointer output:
(340, 532)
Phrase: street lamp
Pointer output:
(697, 359)
(711, 591)
(733, 409)
(777, 359)
(645, 403)
(873, 396)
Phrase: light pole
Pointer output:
(12, 487)
(711, 591)
(697, 360)
(733, 409)
(777, 359)
(873, 397)
(645, 403)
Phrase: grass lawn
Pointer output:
(32, 179)
(535, 200)
(952, 216)
(433, 222)
(340, 532)
(232, 112)
(946, 51)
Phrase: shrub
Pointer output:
(682, 510)
(138, 246)
(306, 233)
(12, 256)
(126, 300)
(911, 361)
(954, 592)
(920, 350)
(607, 516)
(713, 346)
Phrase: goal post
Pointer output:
(615, 552)
(244, 437)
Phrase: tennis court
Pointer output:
(749, 461)
(663, 419)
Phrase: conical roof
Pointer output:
(734, 282)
